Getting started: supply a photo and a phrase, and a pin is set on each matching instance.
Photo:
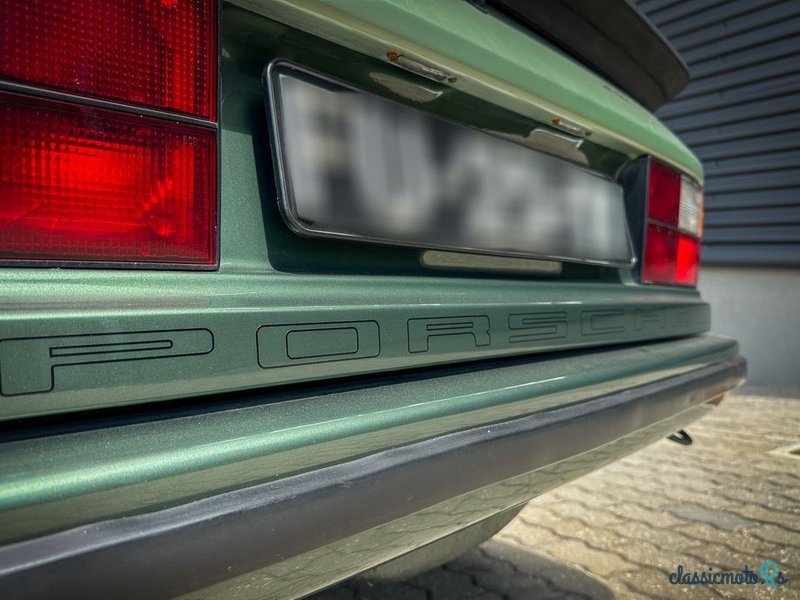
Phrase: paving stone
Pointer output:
(449, 584)
(702, 534)
(719, 519)
(653, 583)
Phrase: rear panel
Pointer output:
(280, 308)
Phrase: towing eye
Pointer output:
(681, 437)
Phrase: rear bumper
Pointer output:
(226, 536)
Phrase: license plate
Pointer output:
(355, 165)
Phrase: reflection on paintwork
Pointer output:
(143, 466)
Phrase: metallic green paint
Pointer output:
(226, 316)
(128, 464)
(492, 59)
(197, 333)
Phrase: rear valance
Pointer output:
(613, 38)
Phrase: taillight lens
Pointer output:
(83, 178)
(663, 194)
(88, 184)
(687, 260)
(660, 252)
(690, 216)
(673, 228)
(159, 53)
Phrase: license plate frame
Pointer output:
(296, 221)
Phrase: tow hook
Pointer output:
(680, 437)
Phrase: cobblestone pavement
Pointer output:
(729, 500)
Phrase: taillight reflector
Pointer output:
(687, 259)
(89, 184)
(660, 248)
(159, 53)
(664, 190)
(673, 227)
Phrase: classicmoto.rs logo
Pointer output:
(768, 574)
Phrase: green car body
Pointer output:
(204, 468)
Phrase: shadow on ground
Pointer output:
(496, 570)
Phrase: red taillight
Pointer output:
(663, 194)
(673, 228)
(83, 178)
(660, 249)
(687, 260)
(88, 184)
(159, 53)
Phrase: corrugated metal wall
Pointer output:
(741, 115)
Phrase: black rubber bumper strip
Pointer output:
(173, 551)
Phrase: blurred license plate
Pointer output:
(358, 166)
